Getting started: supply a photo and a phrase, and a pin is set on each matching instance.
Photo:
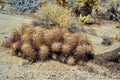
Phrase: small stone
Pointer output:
(76, 28)
(54, 56)
(81, 63)
(107, 41)
(1, 7)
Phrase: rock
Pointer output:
(76, 28)
(113, 56)
(37, 22)
(107, 41)
(1, 7)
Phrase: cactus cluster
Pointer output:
(35, 43)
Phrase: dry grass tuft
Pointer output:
(53, 13)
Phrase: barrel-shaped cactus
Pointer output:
(43, 52)
(28, 51)
(15, 35)
(66, 49)
(26, 38)
(80, 53)
(56, 46)
(16, 45)
(36, 40)
(48, 37)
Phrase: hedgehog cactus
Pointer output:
(16, 46)
(80, 53)
(58, 34)
(30, 30)
(16, 36)
(66, 34)
(40, 31)
(24, 27)
(64, 31)
(37, 40)
(88, 48)
(26, 38)
(72, 41)
(56, 47)
(66, 49)
(83, 40)
(43, 52)
(48, 37)
(28, 51)
(77, 36)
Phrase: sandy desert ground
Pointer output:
(15, 68)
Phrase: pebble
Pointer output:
(1, 7)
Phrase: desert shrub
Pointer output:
(85, 7)
(55, 14)
(35, 43)
(103, 9)
(108, 9)
(25, 5)
(62, 2)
